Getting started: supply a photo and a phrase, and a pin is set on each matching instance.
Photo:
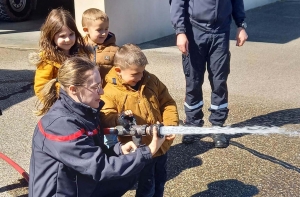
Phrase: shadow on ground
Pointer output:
(21, 184)
(16, 86)
(273, 23)
(277, 118)
(230, 187)
(266, 157)
(182, 157)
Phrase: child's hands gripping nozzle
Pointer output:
(127, 127)
(157, 139)
(126, 119)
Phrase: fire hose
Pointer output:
(15, 166)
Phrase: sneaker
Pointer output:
(189, 139)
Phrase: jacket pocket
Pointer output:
(186, 64)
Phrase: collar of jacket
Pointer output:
(78, 108)
(113, 78)
(53, 63)
(37, 58)
(110, 40)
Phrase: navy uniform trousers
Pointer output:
(207, 50)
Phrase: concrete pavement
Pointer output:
(263, 90)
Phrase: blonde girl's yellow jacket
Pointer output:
(45, 71)
(151, 103)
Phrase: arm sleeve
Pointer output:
(84, 157)
(108, 113)
(238, 11)
(177, 14)
(43, 75)
(168, 107)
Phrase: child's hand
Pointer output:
(128, 147)
(127, 113)
(126, 119)
(156, 141)
(170, 137)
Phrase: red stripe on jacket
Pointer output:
(73, 136)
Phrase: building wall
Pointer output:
(81, 6)
(249, 4)
(138, 21)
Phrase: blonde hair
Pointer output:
(129, 54)
(93, 14)
(56, 19)
(72, 72)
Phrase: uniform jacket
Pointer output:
(69, 157)
(103, 54)
(45, 71)
(206, 14)
(151, 103)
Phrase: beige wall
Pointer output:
(81, 6)
(133, 21)
(138, 21)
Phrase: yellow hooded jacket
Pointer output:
(45, 71)
(151, 103)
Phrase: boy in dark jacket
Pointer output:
(202, 28)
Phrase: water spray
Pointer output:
(137, 131)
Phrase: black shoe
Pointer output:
(220, 140)
(189, 139)
(193, 124)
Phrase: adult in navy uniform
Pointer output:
(202, 28)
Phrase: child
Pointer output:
(59, 40)
(68, 155)
(131, 87)
(95, 24)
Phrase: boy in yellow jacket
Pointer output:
(102, 43)
(131, 87)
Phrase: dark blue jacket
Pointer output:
(69, 157)
(207, 15)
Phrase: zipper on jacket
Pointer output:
(95, 48)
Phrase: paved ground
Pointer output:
(264, 90)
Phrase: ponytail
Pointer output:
(50, 94)
(72, 71)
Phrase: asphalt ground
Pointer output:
(263, 90)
